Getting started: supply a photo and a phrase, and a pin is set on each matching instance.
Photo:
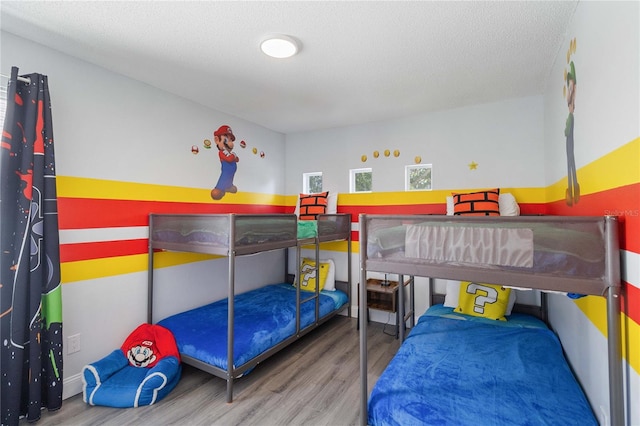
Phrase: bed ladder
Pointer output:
(316, 295)
(406, 313)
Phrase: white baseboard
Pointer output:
(71, 386)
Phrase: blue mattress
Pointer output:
(458, 370)
(264, 317)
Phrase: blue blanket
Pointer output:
(455, 370)
(263, 318)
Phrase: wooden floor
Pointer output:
(315, 381)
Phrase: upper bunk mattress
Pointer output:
(564, 246)
(263, 318)
(220, 232)
(459, 370)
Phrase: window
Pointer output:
(418, 177)
(312, 182)
(360, 180)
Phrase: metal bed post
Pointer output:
(349, 261)
(412, 301)
(362, 310)
(317, 296)
(286, 265)
(230, 307)
(616, 393)
(401, 308)
(298, 284)
(150, 274)
(614, 338)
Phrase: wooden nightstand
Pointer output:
(382, 298)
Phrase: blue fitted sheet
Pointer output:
(264, 317)
(460, 371)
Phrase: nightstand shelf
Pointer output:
(382, 298)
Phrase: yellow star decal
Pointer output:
(473, 165)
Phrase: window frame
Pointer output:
(352, 179)
(306, 177)
(407, 176)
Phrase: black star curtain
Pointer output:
(31, 300)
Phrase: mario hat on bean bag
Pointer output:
(141, 372)
(148, 344)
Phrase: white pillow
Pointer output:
(507, 202)
(508, 205)
(332, 204)
(453, 293)
(330, 283)
(450, 205)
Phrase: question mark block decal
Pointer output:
(483, 300)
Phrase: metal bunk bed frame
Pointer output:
(610, 282)
(231, 252)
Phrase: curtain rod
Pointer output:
(23, 79)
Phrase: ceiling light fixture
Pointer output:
(279, 46)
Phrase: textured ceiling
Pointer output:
(360, 62)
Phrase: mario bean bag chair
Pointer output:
(143, 371)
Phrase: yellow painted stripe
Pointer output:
(528, 195)
(631, 335)
(340, 246)
(595, 308)
(620, 167)
(112, 266)
(76, 187)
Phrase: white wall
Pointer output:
(607, 116)
(107, 126)
(608, 92)
(504, 138)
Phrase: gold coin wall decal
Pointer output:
(376, 154)
(364, 158)
(386, 152)
(418, 159)
(396, 153)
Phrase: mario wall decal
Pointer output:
(224, 139)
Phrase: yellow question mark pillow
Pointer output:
(483, 300)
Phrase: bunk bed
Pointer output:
(440, 367)
(228, 338)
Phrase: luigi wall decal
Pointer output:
(573, 188)
(224, 140)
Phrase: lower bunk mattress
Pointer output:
(459, 370)
(263, 318)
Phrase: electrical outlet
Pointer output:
(73, 344)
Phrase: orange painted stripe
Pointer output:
(83, 213)
(102, 249)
